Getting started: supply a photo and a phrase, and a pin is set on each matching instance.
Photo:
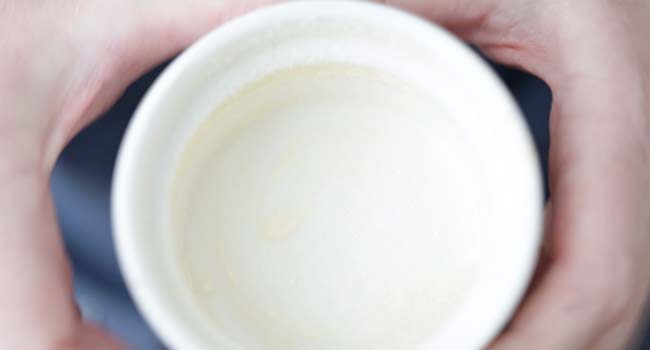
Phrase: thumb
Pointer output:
(161, 28)
(135, 36)
(459, 16)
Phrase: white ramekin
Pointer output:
(278, 36)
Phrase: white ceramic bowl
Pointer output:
(286, 35)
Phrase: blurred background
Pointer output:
(81, 184)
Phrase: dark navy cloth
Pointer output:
(81, 185)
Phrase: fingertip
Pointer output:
(93, 337)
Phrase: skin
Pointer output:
(592, 285)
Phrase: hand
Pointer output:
(592, 287)
(60, 74)
(63, 62)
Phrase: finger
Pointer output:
(594, 290)
(95, 338)
(162, 28)
(524, 34)
(480, 22)
(38, 310)
(461, 16)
